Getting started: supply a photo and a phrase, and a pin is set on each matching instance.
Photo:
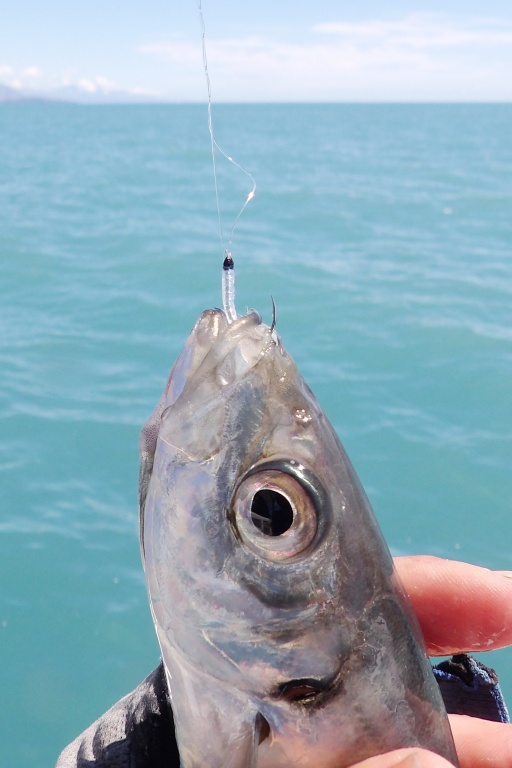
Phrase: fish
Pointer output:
(286, 636)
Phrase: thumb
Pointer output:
(406, 758)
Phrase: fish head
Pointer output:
(286, 637)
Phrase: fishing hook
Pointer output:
(273, 315)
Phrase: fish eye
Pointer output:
(274, 515)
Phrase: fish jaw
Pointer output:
(242, 618)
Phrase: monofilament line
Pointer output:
(210, 122)
(228, 275)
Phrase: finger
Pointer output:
(481, 743)
(406, 758)
(460, 607)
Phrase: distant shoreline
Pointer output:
(123, 100)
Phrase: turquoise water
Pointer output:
(384, 234)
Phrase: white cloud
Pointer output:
(418, 57)
(415, 57)
(31, 73)
(21, 79)
(421, 30)
(30, 80)
(183, 53)
(86, 85)
(98, 84)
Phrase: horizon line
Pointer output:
(144, 102)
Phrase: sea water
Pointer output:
(384, 234)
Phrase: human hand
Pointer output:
(460, 607)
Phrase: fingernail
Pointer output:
(506, 574)
(411, 761)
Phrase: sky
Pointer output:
(262, 50)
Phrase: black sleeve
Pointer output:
(468, 687)
(138, 732)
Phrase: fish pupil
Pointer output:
(271, 512)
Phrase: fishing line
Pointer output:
(228, 274)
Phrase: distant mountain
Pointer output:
(10, 94)
(75, 95)
(98, 96)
